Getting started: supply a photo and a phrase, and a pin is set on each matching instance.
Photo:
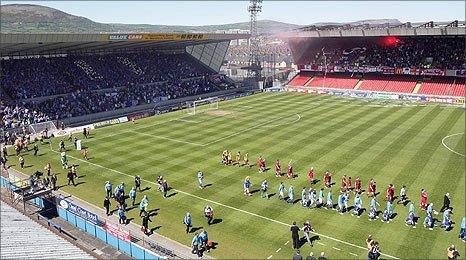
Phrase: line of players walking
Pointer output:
(319, 198)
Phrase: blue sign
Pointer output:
(84, 213)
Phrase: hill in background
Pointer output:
(25, 18)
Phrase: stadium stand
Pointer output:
(17, 116)
(95, 83)
(419, 52)
(436, 86)
(400, 85)
(333, 81)
(30, 78)
(23, 238)
(299, 80)
(458, 88)
(374, 83)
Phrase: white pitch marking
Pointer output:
(270, 256)
(278, 250)
(287, 242)
(451, 150)
(336, 248)
(227, 206)
(294, 121)
(189, 121)
(242, 131)
(322, 244)
(352, 254)
(167, 138)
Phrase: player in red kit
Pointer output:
(327, 179)
(289, 173)
(278, 168)
(344, 183)
(370, 188)
(390, 193)
(423, 199)
(310, 175)
(357, 185)
(261, 164)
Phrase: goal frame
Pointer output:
(202, 105)
(34, 128)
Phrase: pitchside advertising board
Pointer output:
(117, 231)
(72, 130)
(460, 101)
(111, 122)
(156, 37)
(77, 210)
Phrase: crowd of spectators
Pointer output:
(429, 52)
(46, 76)
(97, 83)
(240, 53)
(84, 102)
(18, 116)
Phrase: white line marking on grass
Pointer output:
(242, 131)
(336, 248)
(320, 243)
(278, 250)
(353, 254)
(446, 146)
(189, 121)
(226, 206)
(287, 242)
(167, 138)
(294, 121)
(270, 256)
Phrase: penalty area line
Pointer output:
(224, 205)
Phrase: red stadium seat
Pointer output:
(440, 87)
(338, 82)
(299, 80)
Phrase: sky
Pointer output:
(222, 12)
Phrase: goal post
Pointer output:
(40, 127)
(202, 105)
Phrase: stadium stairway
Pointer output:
(417, 87)
(358, 84)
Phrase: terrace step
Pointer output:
(417, 87)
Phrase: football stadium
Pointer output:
(134, 145)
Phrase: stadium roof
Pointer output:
(454, 28)
(23, 238)
(48, 44)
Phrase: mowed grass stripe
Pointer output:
(179, 162)
(256, 141)
(385, 126)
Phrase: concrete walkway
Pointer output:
(181, 251)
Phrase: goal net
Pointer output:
(202, 105)
(40, 127)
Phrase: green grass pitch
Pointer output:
(371, 139)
